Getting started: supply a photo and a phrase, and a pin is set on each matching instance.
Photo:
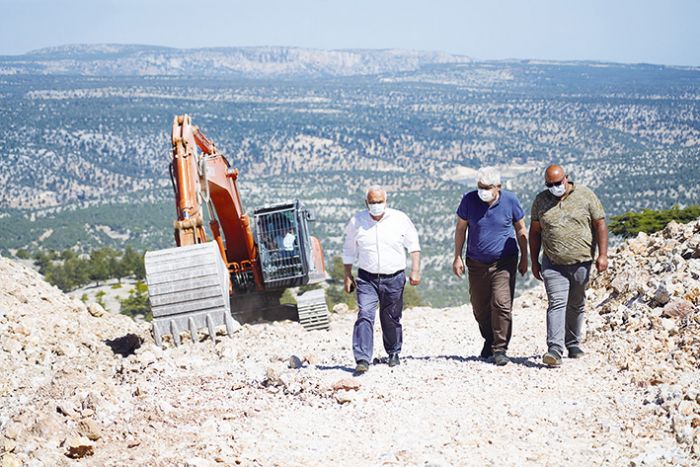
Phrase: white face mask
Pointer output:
(486, 195)
(558, 190)
(376, 209)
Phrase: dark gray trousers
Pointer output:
(566, 292)
(386, 293)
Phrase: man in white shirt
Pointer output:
(375, 239)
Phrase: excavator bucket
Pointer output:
(188, 288)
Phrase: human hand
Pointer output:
(414, 278)
(349, 284)
(458, 266)
(522, 266)
(537, 270)
(601, 263)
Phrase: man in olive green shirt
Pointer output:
(569, 222)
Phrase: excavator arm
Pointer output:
(208, 178)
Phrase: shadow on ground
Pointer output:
(125, 345)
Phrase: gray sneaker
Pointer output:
(551, 359)
(361, 368)
(575, 352)
(500, 358)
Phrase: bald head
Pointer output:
(554, 173)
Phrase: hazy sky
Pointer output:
(664, 31)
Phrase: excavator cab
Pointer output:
(284, 245)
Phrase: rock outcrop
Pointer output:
(649, 307)
(58, 357)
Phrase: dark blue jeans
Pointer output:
(386, 293)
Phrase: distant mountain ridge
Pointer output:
(247, 62)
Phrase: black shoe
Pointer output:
(486, 351)
(362, 367)
(551, 359)
(500, 358)
(576, 352)
(394, 359)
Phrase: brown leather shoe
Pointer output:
(551, 359)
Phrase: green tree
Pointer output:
(137, 302)
(68, 254)
(411, 297)
(120, 269)
(43, 261)
(76, 269)
(56, 275)
(99, 267)
(650, 221)
(335, 292)
(22, 254)
(337, 270)
(132, 262)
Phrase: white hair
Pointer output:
(372, 188)
(488, 176)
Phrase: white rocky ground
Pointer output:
(68, 397)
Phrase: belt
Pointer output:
(383, 276)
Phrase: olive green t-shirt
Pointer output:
(567, 224)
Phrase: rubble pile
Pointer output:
(57, 356)
(648, 305)
(83, 386)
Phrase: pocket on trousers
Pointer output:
(583, 273)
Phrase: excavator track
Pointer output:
(313, 311)
(188, 288)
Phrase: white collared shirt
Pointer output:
(378, 246)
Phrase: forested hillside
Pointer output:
(85, 158)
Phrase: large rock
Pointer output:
(78, 447)
(678, 309)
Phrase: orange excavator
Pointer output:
(238, 271)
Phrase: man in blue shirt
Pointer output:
(492, 221)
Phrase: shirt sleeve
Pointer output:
(410, 240)
(462, 210)
(518, 212)
(350, 245)
(596, 208)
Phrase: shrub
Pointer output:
(650, 221)
(22, 254)
(99, 298)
